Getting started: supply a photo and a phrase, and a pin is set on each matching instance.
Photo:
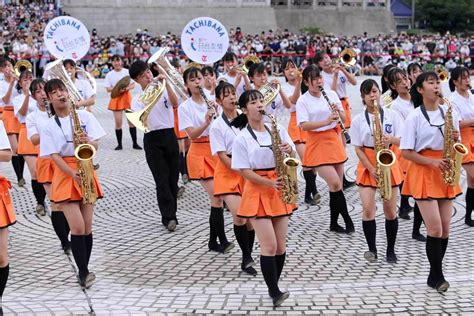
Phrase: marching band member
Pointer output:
(195, 117)
(7, 214)
(362, 136)
(384, 79)
(183, 144)
(35, 122)
(335, 78)
(228, 183)
(12, 126)
(422, 143)
(400, 92)
(324, 150)
(210, 82)
(58, 142)
(83, 86)
(463, 101)
(292, 88)
(161, 145)
(24, 104)
(233, 74)
(252, 154)
(414, 70)
(122, 102)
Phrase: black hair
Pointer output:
(54, 84)
(223, 88)
(69, 62)
(23, 74)
(385, 72)
(208, 69)
(309, 73)
(4, 60)
(286, 61)
(256, 68)
(229, 56)
(241, 120)
(416, 97)
(35, 84)
(456, 74)
(116, 57)
(412, 67)
(392, 78)
(366, 87)
(191, 72)
(137, 68)
(318, 56)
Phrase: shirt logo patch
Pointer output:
(343, 79)
(388, 128)
(166, 102)
(274, 105)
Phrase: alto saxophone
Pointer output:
(384, 158)
(285, 166)
(452, 151)
(84, 154)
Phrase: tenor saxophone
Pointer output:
(285, 166)
(384, 158)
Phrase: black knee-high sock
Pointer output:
(212, 225)
(4, 271)
(38, 191)
(342, 208)
(391, 229)
(251, 234)
(469, 202)
(185, 164)
(269, 271)
(242, 236)
(404, 200)
(309, 178)
(370, 232)
(89, 241)
(333, 208)
(434, 252)
(16, 167)
(280, 263)
(417, 219)
(182, 164)
(219, 224)
(21, 165)
(59, 224)
(444, 246)
(78, 247)
(133, 134)
(118, 134)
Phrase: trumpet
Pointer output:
(21, 66)
(348, 57)
(339, 121)
(208, 103)
(248, 62)
(443, 74)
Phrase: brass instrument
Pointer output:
(248, 61)
(348, 57)
(173, 77)
(285, 165)
(56, 70)
(387, 98)
(443, 74)
(84, 154)
(194, 64)
(21, 66)
(334, 111)
(452, 151)
(384, 158)
(208, 103)
(150, 96)
(270, 91)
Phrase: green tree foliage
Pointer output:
(445, 15)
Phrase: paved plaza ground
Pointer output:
(142, 268)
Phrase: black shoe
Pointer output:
(67, 249)
(87, 281)
(280, 298)
(404, 212)
(180, 192)
(370, 256)
(119, 147)
(469, 222)
(347, 184)
(317, 198)
(442, 286)
(308, 200)
(21, 182)
(418, 236)
(171, 226)
(214, 246)
(136, 146)
(431, 282)
(338, 229)
(225, 248)
(391, 258)
(250, 270)
(247, 263)
(350, 229)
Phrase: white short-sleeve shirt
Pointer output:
(161, 116)
(288, 89)
(250, 153)
(58, 138)
(35, 122)
(192, 114)
(17, 103)
(4, 142)
(239, 89)
(418, 134)
(84, 88)
(114, 76)
(403, 107)
(221, 135)
(341, 83)
(464, 106)
(3, 91)
(362, 132)
(313, 109)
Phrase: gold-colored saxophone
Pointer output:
(84, 154)
(285, 165)
(384, 158)
(452, 151)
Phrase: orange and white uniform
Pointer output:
(7, 214)
(465, 109)
(296, 133)
(25, 146)
(11, 123)
(341, 93)
(124, 101)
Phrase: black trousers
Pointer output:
(162, 155)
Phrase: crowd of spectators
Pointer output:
(23, 25)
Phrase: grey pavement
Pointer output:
(142, 268)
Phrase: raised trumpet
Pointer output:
(443, 74)
(21, 66)
(248, 62)
(348, 57)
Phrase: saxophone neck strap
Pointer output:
(425, 114)
(368, 119)
(252, 133)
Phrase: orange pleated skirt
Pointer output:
(324, 148)
(402, 161)
(347, 111)
(65, 189)
(227, 181)
(296, 133)
(44, 170)
(179, 134)
(11, 123)
(122, 102)
(200, 161)
(262, 201)
(467, 138)
(7, 214)
(25, 146)
(365, 179)
(424, 182)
